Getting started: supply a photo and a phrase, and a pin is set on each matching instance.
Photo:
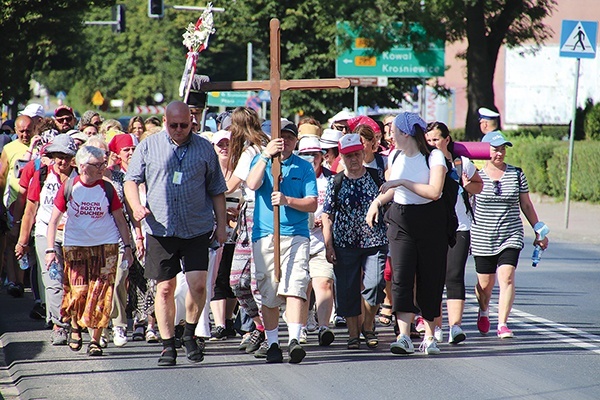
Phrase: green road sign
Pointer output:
(227, 99)
(398, 62)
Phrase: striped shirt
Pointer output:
(180, 181)
(498, 224)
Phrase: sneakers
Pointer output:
(504, 332)
(420, 324)
(262, 350)
(339, 321)
(456, 335)
(256, 338)
(59, 337)
(311, 322)
(245, 340)
(438, 334)
(103, 342)
(274, 354)
(229, 329)
(295, 352)
(218, 333)
(429, 346)
(16, 290)
(403, 345)
(38, 311)
(326, 336)
(303, 336)
(151, 336)
(119, 336)
(138, 333)
(483, 323)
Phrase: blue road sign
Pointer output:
(578, 39)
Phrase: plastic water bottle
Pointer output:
(542, 230)
(24, 262)
(54, 272)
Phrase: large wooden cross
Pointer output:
(275, 85)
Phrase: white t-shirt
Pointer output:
(414, 169)
(242, 169)
(317, 240)
(88, 221)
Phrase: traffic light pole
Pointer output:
(118, 23)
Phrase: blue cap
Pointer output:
(496, 139)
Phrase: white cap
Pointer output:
(487, 113)
(309, 144)
(33, 110)
(350, 143)
(342, 116)
(220, 135)
(330, 138)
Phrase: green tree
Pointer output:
(37, 35)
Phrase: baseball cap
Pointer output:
(33, 110)
(63, 144)
(63, 110)
(350, 143)
(220, 135)
(286, 125)
(495, 139)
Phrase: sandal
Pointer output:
(168, 357)
(353, 343)
(75, 344)
(385, 319)
(370, 338)
(94, 349)
(194, 348)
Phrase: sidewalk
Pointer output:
(584, 220)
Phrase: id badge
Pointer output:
(177, 176)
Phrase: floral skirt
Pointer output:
(88, 284)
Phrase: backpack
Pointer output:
(449, 197)
(109, 191)
(339, 177)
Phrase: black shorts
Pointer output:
(167, 256)
(489, 264)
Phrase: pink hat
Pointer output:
(121, 141)
(363, 120)
(62, 109)
(350, 143)
(220, 135)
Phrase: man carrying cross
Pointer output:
(297, 196)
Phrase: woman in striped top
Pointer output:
(497, 234)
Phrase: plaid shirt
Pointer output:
(182, 210)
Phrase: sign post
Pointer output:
(577, 40)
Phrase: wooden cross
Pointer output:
(275, 85)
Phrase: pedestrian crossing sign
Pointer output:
(578, 39)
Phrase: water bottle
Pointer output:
(542, 230)
(53, 271)
(24, 262)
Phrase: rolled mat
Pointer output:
(472, 150)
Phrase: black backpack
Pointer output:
(449, 197)
(339, 177)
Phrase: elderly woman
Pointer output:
(416, 230)
(497, 235)
(356, 250)
(41, 193)
(95, 222)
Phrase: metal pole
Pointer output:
(249, 62)
(356, 100)
(571, 147)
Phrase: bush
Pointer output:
(591, 124)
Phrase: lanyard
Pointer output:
(180, 158)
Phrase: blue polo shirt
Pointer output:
(297, 180)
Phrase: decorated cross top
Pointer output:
(195, 39)
(275, 85)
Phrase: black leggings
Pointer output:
(222, 288)
(455, 270)
(418, 249)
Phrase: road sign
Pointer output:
(97, 98)
(228, 99)
(578, 39)
(398, 62)
(381, 81)
(61, 95)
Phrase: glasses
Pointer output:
(99, 165)
(497, 188)
(182, 125)
(63, 119)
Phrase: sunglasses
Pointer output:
(340, 127)
(182, 125)
(63, 119)
(497, 188)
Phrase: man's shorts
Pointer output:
(319, 267)
(294, 255)
(164, 256)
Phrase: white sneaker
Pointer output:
(119, 336)
(456, 335)
(438, 334)
(311, 323)
(303, 339)
(429, 346)
(403, 345)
